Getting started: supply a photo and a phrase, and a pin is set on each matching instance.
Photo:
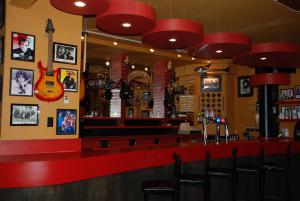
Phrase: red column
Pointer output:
(159, 82)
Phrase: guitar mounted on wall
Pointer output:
(48, 87)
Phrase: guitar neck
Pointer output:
(50, 53)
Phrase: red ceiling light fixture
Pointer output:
(277, 54)
(127, 17)
(174, 33)
(80, 7)
(222, 46)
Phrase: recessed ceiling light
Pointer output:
(172, 40)
(107, 63)
(146, 69)
(133, 66)
(151, 50)
(82, 37)
(263, 58)
(79, 4)
(115, 43)
(219, 51)
(193, 58)
(126, 25)
(178, 55)
(208, 61)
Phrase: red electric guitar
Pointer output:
(48, 87)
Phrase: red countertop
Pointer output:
(28, 170)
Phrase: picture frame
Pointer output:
(2, 13)
(286, 112)
(297, 111)
(244, 86)
(1, 49)
(65, 53)
(22, 47)
(297, 91)
(21, 82)
(24, 114)
(211, 83)
(66, 121)
(69, 79)
(287, 93)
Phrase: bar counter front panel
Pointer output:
(116, 174)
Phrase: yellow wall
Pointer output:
(33, 21)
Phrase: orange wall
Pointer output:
(33, 21)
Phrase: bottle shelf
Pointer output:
(288, 102)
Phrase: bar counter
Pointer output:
(43, 169)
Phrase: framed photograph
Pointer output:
(287, 93)
(64, 53)
(244, 86)
(69, 78)
(297, 111)
(21, 82)
(22, 47)
(211, 83)
(66, 122)
(286, 112)
(2, 13)
(24, 115)
(297, 91)
(1, 49)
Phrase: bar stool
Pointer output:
(199, 180)
(282, 167)
(165, 187)
(255, 170)
(226, 173)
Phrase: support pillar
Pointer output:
(159, 82)
(118, 72)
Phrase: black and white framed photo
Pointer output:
(66, 121)
(24, 115)
(22, 47)
(1, 49)
(69, 78)
(211, 83)
(65, 53)
(287, 93)
(244, 86)
(21, 82)
(297, 91)
(2, 13)
(286, 112)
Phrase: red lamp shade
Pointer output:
(92, 7)
(222, 46)
(277, 54)
(270, 79)
(127, 17)
(174, 34)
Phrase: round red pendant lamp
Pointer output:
(127, 17)
(221, 46)
(277, 54)
(174, 33)
(81, 7)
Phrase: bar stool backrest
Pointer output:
(177, 169)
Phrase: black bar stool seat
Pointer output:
(165, 187)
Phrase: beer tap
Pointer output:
(204, 127)
(218, 131)
(226, 130)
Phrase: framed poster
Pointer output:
(24, 115)
(244, 86)
(297, 91)
(65, 53)
(21, 82)
(69, 78)
(66, 121)
(22, 47)
(211, 83)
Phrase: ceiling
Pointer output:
(262, 20)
